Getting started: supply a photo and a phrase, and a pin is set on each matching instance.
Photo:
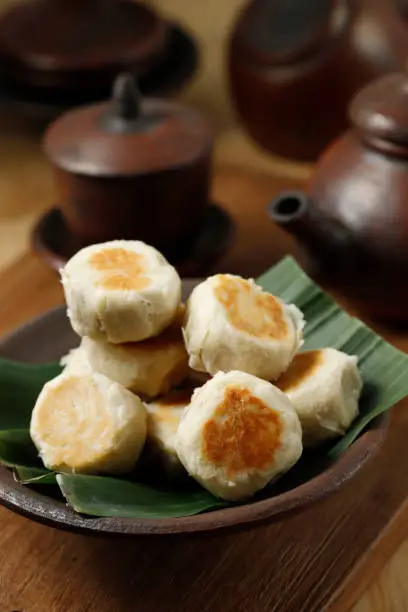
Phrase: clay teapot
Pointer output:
(294, 66)
(353, 224)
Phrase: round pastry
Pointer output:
(232, 324)
(120, 291)
(163, 418)
(324, 387)
(238, 433)
(148, 368)
(88, 424)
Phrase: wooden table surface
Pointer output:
(349, 552)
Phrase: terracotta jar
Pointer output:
(132, 168)
(72, 45)
(294, 66)
(353, 224)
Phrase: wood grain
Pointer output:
(377, 571)
(388, 592)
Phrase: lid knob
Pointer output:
(126, 97)
(125, 110)
(380, 110)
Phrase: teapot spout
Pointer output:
(329, 244)
(292, 212)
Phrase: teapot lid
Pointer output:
(380, 110)
(127, 135)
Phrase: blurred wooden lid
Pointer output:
(380, 109)
(57, 43)
(128, 136)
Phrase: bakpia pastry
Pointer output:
(163, 418)
(88, 424)
(238, 433)
(120, 291)
(324, 387)
(149, 368)
(232, 324)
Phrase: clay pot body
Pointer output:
(132, 169)
(161, 209)
(353, 225)
(294, 66)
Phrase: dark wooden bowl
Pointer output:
(77, 46)
(176, 68)
(48, 337)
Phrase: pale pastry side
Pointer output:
(88, 424)
(238, 434)
(76, 361)
(151, 367)
(120, 291)
(324, 387)
(232, 324)
(163, 418)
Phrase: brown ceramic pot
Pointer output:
(294, 66)
(78, 45)
(354, 224)
(132, 169)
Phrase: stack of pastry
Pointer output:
(236, 432)
(124, 301)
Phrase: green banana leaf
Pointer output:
(20, 385)
(104, 496)
(16, 447)
(34, 476)
(384, 370)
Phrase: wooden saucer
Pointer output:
(53, 243)
(177, 66)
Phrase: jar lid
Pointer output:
(67, 37)
(128, 135)
(380, 109)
